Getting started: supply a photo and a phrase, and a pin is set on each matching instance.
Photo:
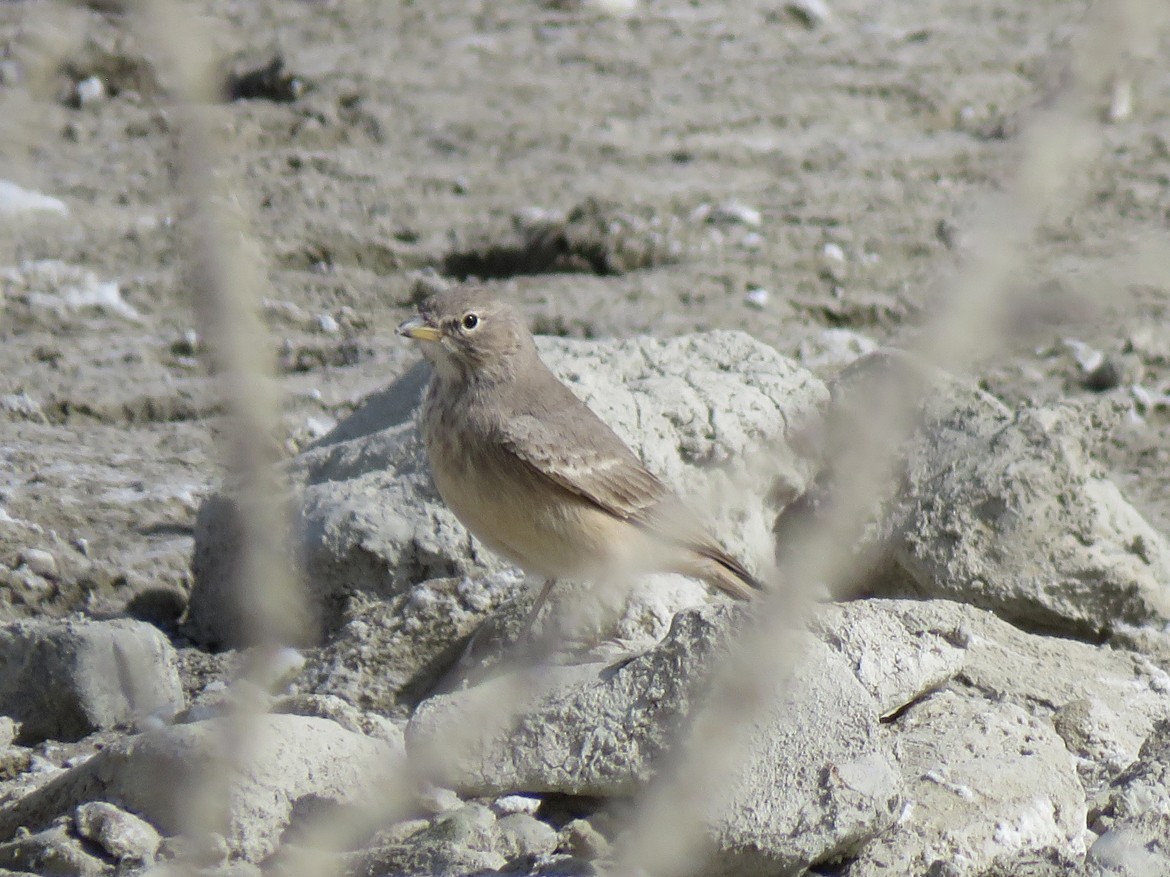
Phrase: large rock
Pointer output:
(120, 835)
(586, 729)
(461, 842)
(1004, 510)
(895, 657)
(984, 781)
(66, 679)
(712, 414)
(1101, 701)
(1133, 815)
(251, 773)
(389, 653)
(581, 623)
(816, 777)
(53, 851)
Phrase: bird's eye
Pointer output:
(470, 321)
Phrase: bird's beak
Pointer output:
(419, 329)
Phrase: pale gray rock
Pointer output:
(521, 834)
(581, 839)
(811, 13)
(1133, 815)
(66, 679)
(1135, 847)
(1103, 702)
(54, 852)
(359, 721)
(238, 868)
(584, 623)
(60, 289)
(507, 805)
(123, 836)
(816, 778)
(456, 843)
(588, 729)
(1044, 864)
(206, 849)
(1005, 510)
(16, 200)
(1101, 740)
(895, 659)
(712, 414)
(984, 781)
(274, 762)
(391, 652)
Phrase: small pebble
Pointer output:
(16, 199)
(1142, 397)
(207, 850)
(23, 404)
(40, 764)
(287, 310)
(757, 297)
(10, 73)
(579, 838)
(280, 668)
(124, 836)
(833, 252)
(188, 344)
(1120, 101)
(536, 217)
(40, 562)
(435, 799)
(319, 426)
(90, 90)
(833, 349)
(1088, 358)
(812, 13)
(700, 213)
(9, 729)
(510, 804)
(327, 324)
(520, 834)
(737, 212)
(616, 8)
(61, 288)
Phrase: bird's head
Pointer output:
(467, 333)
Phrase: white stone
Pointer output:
(42, 562)
(757, 297)
(91, 90)
(15, 200)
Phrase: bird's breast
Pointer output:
(510, 507)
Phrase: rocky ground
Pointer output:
(795, 183)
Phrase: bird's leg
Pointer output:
(541, 599)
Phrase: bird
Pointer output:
(532, 472)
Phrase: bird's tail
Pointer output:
(722, 571)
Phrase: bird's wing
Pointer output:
(585, 457)
(573, 448)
